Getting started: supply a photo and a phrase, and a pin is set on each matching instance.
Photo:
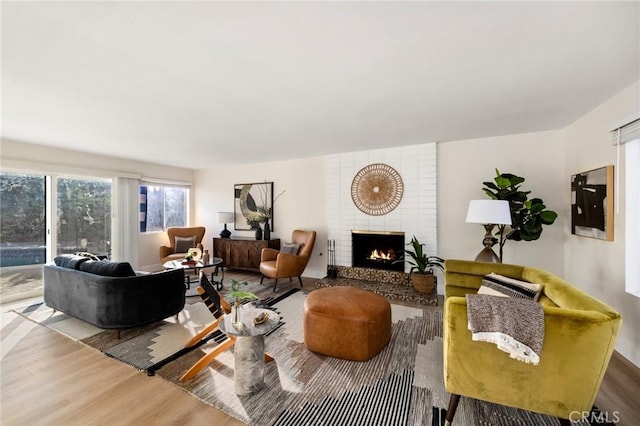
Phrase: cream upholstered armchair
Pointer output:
(579, 337)
(279, 264)
(181, 239)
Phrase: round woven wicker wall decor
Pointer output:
(377, 189)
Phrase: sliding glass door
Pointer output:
(22, 234)
(43, 216)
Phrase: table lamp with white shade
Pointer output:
(225, 217)
(489, 213)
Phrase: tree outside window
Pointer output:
(84, 215)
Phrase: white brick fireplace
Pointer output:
(416, 213)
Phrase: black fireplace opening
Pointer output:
(377, 250)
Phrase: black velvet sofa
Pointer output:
(111, 295)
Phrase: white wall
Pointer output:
(597, 266)
(45, 159)
(464, 165)
(302, 206)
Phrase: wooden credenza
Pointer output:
(242, 253)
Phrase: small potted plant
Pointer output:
(421, 271)
(238, 297)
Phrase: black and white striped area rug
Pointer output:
(386, 403)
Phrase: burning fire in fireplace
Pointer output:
(380, 255)
(377, 250)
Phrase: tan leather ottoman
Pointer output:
(346, 322)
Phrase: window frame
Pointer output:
(164, 185)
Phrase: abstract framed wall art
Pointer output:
(592, 203)
(253, 205)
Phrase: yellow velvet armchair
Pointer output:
(169, 252)
(580, 334)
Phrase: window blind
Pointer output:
(626, 133)
(125, 247)
(166, 183)
(621, 135)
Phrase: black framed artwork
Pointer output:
(253, 205)
(592, 203)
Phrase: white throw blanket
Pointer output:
(515, 325)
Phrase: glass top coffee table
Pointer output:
(196, 267)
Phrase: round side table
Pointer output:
(249, 347)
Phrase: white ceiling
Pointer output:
(196, 84)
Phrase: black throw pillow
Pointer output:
(108, 269)
(70, 261)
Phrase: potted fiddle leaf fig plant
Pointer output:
(527, 215)
(421, 272)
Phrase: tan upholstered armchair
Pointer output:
(579, 337)
(278, 264)
(178, 235)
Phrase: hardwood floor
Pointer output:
(48, 379)
(619, 394)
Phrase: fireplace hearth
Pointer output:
(377, 250)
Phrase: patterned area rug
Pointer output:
(389, 284)
(391, 292)
(402, 385)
